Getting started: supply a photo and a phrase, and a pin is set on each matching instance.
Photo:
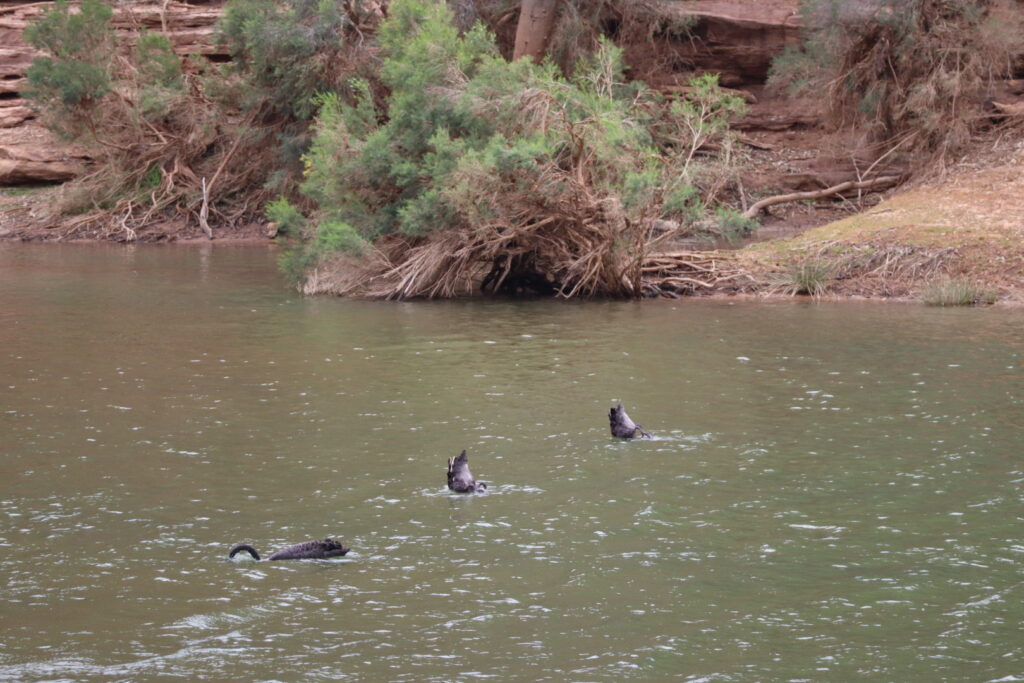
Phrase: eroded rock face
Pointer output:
(14, 113)
(37, 163)
(735, 38)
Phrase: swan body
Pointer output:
(623, 427)
(309, 550)
(460, 479)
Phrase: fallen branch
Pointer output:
(873, 184)
(226, 159)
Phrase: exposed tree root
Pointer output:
(592, 250)
(691, 272)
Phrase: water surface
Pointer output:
(834, 492)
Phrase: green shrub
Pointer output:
(686, 202)
(161, 84)
(732, 225)
(75, 73)
(290, 221)
(336, 236)
(153, 140)
(463, 122)
(307, 247)
(957, 292)
(286, 53)
(296, 262)
(300, 254)
(158, 64)
(285, 56)
(704, 115)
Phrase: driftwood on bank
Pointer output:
(849, 185)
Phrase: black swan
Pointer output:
(310, 550)
(459, 477)
(623, 427)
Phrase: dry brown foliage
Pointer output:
(870, 268)
(582, 246)
(187, 166)
(918, 74)
(196, 152)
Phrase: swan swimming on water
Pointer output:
(309, 550)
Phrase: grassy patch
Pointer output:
(967, 222)
(957, 292)
(976, 208)
(809, 276)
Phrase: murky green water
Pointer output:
(834, 493)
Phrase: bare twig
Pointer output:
(204, 211)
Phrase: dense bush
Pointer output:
(285, 54)
(909, 72)
(544, 178)
(544, 174)
(134, 113)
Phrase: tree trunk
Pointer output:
(536, 17)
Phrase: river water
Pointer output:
(834, 491)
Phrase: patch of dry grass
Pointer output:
(969, 223)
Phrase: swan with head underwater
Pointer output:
(460, 479)
(308, 550)
(623, 427)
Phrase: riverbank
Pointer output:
(965, 225)
(26, 216)
(952, 238)
(961, 227)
